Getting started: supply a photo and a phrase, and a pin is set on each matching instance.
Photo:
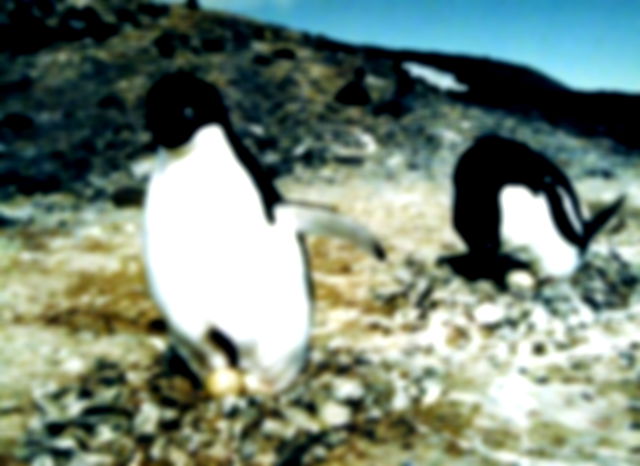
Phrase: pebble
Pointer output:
(223, 382)
(521, 280)
(489, 314)
(43, 460)
(64, 446)
(147, 420)
(74, 366)
(334, 414)
(433, 392)
(277, 429)
(348, 389)
(302, 419)
(401, 399)
(92, 459)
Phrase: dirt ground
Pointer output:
(410, 364)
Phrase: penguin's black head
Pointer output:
(178, 104)
(359, 73)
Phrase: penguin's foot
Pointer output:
(466, 265)
(175, 363)
(477, 267)
(508, 263)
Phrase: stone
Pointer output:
(521, 280)
(147, 420)
(224, 382)
(489, 314)
(335, 414)
(347, 389)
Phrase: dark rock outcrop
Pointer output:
(73, 86)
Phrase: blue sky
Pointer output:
(586, 44)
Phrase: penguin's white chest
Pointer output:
(214, 261)
(527, 223)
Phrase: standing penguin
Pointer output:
(224, 255)
(355, 91)
(509, 196)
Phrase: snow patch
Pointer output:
(435, 77)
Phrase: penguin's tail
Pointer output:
(321, 220)
(599, 220)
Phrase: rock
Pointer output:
(27, 30)
(16, 123)
(302, 419)
(521, 280)
(489, 314)
(213, 44)
(112, 101)
(347, 389)
(261, 59)
(277, 429)
(334, 414)
(74, 366)
(224, 382)
(396, 108)
(125, 15)
(16, 85)
(284, 53)
(80, 23)
(168, 43)
(127, 196)
(606, 280)
(43, 460)
(64, 447)
(147, 421)
(91, 459)
(153, 10)
(401, 399)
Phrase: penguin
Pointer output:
(400, 103)
(224, 253)
(510, 198)
(355, 91)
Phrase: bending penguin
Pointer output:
(509, 197)
(224, 253)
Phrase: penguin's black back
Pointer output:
(494, 161)
(484, 169)
(179, 104)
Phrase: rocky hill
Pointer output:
(410, 364)
(74, 73)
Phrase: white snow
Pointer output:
(434, 77)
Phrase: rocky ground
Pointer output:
(410, 364)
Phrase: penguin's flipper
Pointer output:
(599, 220)
(321, 220)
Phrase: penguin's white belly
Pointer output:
(527, 223)
(214, 261)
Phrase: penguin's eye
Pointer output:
(189, 113)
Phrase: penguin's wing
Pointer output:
(599, 220)
(321, 220)
(566, 216)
